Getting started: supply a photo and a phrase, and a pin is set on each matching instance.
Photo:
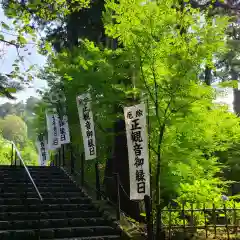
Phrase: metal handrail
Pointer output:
(27, 171)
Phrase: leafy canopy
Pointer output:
(163, 51)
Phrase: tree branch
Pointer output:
(215, 4)
(144, 79)
(153, 149)
(10, 43)
(181, 107)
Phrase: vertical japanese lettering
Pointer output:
(42, 149)
(53, 126)
(87, 125)
(135, 119)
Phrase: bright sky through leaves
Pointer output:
(8, 57)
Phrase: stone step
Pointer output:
(38, 184)
(66, 212)
(16, 201)
(115, 237)
(33, 194)
(22, 177)
(29, 188)
(91, 231)
(37, 180)
(45, 207)
(7, 216)
(52, 223)
(33, 169)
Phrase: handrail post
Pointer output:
(17, 153)
(55, 160)
(71, 161)
(159, 232)
(63, 155)
(82, 168)
(12, 155)
(57, 153)
(59, 157)
(118, 209)
(98, 187)
(148, 209)
(15, 159)
(26, 185)
(39, 216)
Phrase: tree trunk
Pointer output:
(119, 164)
(208, 78)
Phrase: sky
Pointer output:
(10, 54)
(226, 96)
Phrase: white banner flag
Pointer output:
(42, 147)
(137, 141)
(87, 125)
(53, 131)
(64, 130)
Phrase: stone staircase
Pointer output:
(66, 212)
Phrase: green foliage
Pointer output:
(233, 84)
(7, 87)
(204, 212)
(5, 152)
(25, 111)
(27, 20)
(29, 154)
(160, 61)
(12, 109)
(186, 128)
(30, 16)
(13, 128)
(228, 65)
